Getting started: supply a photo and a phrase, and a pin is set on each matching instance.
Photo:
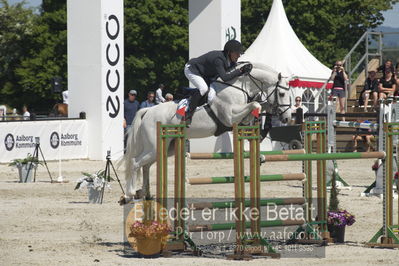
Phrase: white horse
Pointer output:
(233, 103)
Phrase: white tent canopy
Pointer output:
(278, 47)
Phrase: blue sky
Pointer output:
(391, 16)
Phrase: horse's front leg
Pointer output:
(241, 112)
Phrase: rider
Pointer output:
(201, 71)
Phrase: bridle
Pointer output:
(273, 93)
(262, 94)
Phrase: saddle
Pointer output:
(186, 92)
(183, 97)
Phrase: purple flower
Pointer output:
(340, 218)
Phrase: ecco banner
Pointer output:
(96, 71)
(61, 139)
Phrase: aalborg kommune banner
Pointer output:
(61, 139)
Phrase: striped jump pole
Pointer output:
(228, 226)
(373, 126)
(247, 179)
(230, 155)
(325, 156)
(231, 204)
(388, 234)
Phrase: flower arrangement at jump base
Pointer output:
(337, 219)
(95, 184)
(25, 167)
(150, 236)
(340, 218)
(149, 229)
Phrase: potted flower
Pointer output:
(150, 236)
(95, 184)
(337, 219)
(25, 167)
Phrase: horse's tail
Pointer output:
(131, 146)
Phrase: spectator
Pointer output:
(338, 89)
(168, 97)
(298, 104)
(130, 107)
(364, 135)
(150, 100)
(159, 98)
(25, 113)
(397, 79)
(3, 112)
(298, 110)
(65, 97)
(370, 88)
(387, 85)
(386, 65)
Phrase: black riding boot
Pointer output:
(194, 101)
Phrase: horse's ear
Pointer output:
(279, 76)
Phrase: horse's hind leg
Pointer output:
(133, 183)
(146, 180)
(145, 160)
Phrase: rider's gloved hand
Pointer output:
(246, 69)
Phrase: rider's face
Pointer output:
(234, 56)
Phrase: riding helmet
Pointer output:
(233, 46)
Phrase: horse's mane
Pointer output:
(263, 72)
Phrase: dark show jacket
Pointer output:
(212, 65)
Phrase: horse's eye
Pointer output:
(281, 94)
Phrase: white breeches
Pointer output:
(196, 80)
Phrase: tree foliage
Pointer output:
(33, 47)
(156, 44)
(327, 28)
(46, 57)
(16, 31)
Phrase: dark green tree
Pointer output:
(328, 28)
(16, 32)
(156, 41)
(156, 44)
(46, 57)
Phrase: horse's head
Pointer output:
(274, 90)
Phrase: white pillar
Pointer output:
(95, 71)
(212, 24)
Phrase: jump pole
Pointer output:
(247, 179)
(388, 234)
(231, 204)
(325, 156)
(230, 155)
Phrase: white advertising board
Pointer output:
(96, 71)
(61, 139)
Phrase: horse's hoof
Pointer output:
(123, 200)
(139, 194)
(262, 158)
